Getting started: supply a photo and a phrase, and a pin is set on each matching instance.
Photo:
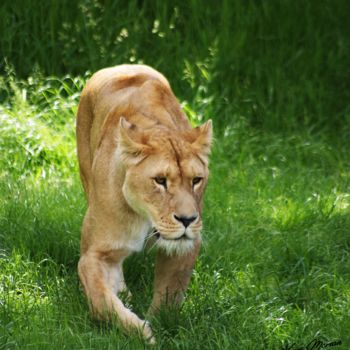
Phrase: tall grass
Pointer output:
(282, 64)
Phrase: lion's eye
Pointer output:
(196, 180)
(160, 180)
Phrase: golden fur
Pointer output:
(143, 168)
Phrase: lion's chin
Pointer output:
(176, 247)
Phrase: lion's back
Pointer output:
(106, 89)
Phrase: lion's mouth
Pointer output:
(184, 236)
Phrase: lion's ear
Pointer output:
(203, 140)
(131, 149)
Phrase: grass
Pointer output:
(273, 76)
(273, 268)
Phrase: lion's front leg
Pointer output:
(172, 276)
(101, 280)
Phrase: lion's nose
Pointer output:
(186, 220)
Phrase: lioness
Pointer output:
(144, 170)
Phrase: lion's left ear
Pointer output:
(203, 141)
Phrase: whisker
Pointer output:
(152, 247)
(147, 238)
(151, 235)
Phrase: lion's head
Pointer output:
(166, 173)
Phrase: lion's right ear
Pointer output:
(131, 149)
(203, 139)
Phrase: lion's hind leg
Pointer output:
(96, 275)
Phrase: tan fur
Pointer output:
(130, 132)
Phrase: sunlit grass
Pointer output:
(274, 263)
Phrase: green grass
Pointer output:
(273, 268)
(274, 77)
